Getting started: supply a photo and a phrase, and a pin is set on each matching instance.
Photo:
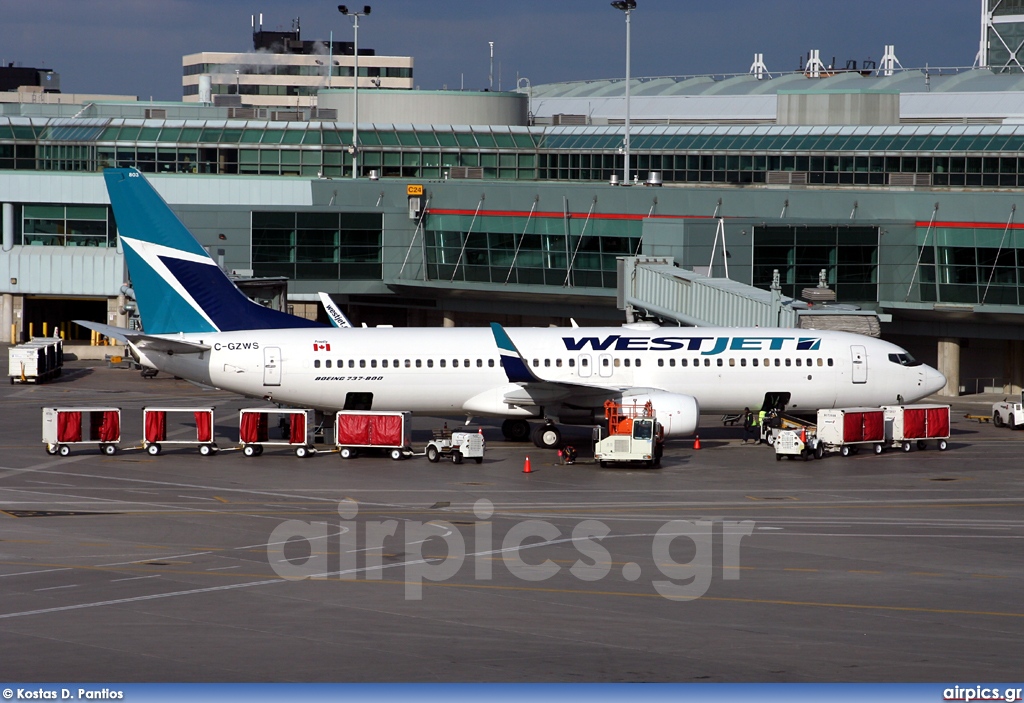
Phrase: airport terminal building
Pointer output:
(902, 188)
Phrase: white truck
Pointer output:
(456, 446)
(1009, 413)
(634, 436)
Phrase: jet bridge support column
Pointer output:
(1015, 366)
(949, 365)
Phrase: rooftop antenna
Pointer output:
(758, 68)
(490, 75)
(814, 65)
(889, 61)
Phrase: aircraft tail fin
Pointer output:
(336, 316)
(516, 368)
(178, 287)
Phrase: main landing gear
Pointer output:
(516, 430)
(545, 436)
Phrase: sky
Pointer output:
(134, 47)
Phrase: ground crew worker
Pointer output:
(749, 425)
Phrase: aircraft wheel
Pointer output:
(942, 445)
(844, 450)
(516, 430)
(997, 419)
(301, 452)
(547, 436)
(249, 450)
(397, 455)
(64, 450)
(906, 446)
(433, 456)
(51, 449)
(457, 457)
(878, 449)
(109, 449)
(347, 453)
(153, 449)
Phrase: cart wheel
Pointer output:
(249, 450)
(819, 451)
(301, 452)
(259, 450)
(205, 449)
(64, 450)
(479, 460)
(153, 449)
(109, 449)
(844, 450)
(457, 457)
(346, 453)
(942, 445)
(807, 453)
(433, 456)
(921, 444)
(397, 455)
(878, 449)
(778, 457)
(906, 446)
(51, 449)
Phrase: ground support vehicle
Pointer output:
(456, 446)
(845, 430)
(1008, 413)
(292, 430)
(633, 436)
(796, 443)
(63, 427)
(155, 434)
(358, 430)
(36, 361)
(775, 422)
(906, 425)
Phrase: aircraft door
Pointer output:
(271, 366)
(860, 364)
(585, 369)
(604, 365)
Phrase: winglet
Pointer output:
(334, 314)
(511, 360)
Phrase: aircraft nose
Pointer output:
(934, 380)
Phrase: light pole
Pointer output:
(626, 6)
(343, 9)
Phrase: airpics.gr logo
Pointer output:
(707, 346)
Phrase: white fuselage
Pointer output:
(458, 371)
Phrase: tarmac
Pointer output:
(724, 565)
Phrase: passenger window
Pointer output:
(465, 362)
(778, 362)
(720, 362)
(558, 363)
(536, 363)
(490, 363)
(384, 364)
(584, 361)
(732, 362)
(617, 362)
(430, 363)
(672, 362)
(455, 363)
(683, 362)
(819, 361)
(743, 362)
(798, 362)
(351, 363)
(661, 362)
(479, 363)
(829, 362)
(604, 361)
(316, 363)
(373, 363)
(442, 362)
(547, 363)
(327, 363)
(753, 362)
(362, 363)
(626, 362)
(407, 364)
(707, 362)
(638, 363)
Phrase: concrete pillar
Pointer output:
(6, 316)
(8, 226)
(1014, 366)
(949, 365)
(449, 318)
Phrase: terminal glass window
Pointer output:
(317, 245)
(71, 226)
(847, 254)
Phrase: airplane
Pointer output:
(334, 313)
(200, 327)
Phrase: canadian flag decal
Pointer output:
(321, 346)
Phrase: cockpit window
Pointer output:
(904, 359)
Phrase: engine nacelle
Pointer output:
(678, 414)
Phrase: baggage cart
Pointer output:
(155, 433)
(64, 427)
(845, 430)
(356, 430)
(36, 361)
(906, 425)
(292, 429)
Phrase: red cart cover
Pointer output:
(156, 426)
(386, 430)
(253, 428)
(204, 428)
(874, 426)
(298, 429)
(69, 427)
(353, 430)
(938, 422)
(104, 426)
(861, 426)
(915, 423)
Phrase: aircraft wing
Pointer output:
(145, 342)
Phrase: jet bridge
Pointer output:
(656, 287)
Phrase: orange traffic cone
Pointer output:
(696, 441)
(526, 466)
